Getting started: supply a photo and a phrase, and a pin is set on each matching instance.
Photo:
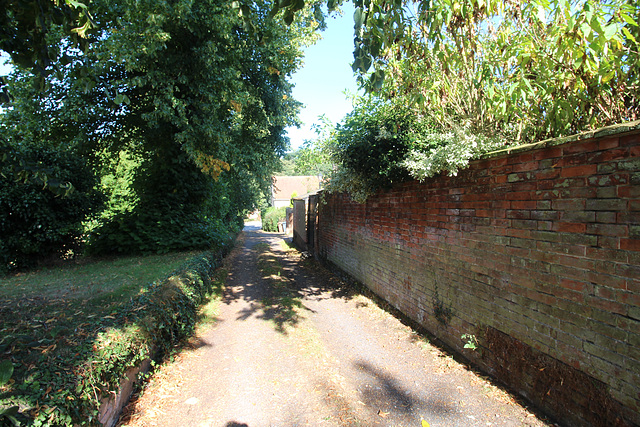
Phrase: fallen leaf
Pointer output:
(425, 424)
(383, 414)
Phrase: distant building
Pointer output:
(283, 187)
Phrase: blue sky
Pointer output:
(320, 84)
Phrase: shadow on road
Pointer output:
(269, 279)
(262, 283)
(388, 393)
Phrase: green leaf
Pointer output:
(358, 18)
(607, 77)
(6, 370)
(629, 20)
(610, 30)
(375, 46)
(377, 79)
(586, 30)
(76, 4)
(628, 34)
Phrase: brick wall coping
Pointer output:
(597, 133)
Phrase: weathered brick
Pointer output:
(632, 164)
(570, 227)
(630, 244)
(607, 168)
(606, 192)
(550, 153)
(608, 180)
(630, 140)
(578, 216)
(630, 191)
(607, 217)
(572, 205)
(543, 205)
(607, 254)
(608, 143)
(542, 245)
(579, 239)
(582, 170)
(606, 205)
(614, 230)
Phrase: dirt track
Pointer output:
(340, 361)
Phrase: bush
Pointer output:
(35, 221)
(373, 142)
(146, 232)
(270, 218)
(370, 147)
(160, 207)
(381, 144)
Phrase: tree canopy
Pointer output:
(180, 102)
(522, 70)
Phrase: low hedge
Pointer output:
(67, 389)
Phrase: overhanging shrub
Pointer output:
(382, 143)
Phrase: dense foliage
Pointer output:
(36, 223)
(270, 218)
(369, 147)
(25, 29)
(379, 144)
(522, 70)
(180, 107)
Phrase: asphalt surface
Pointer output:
(341, 360)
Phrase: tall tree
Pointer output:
(201, 98)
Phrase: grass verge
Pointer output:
(69, 335)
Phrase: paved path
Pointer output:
(341, 361)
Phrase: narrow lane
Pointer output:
(344, 361)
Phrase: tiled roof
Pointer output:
(285, 186)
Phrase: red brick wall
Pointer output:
(535, 253)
